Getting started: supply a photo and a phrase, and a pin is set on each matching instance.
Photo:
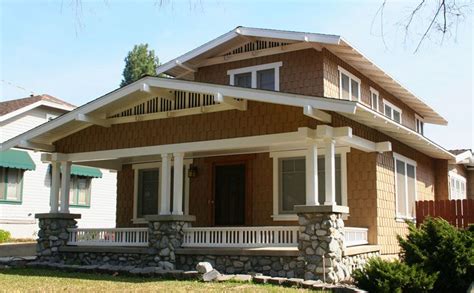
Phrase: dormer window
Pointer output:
(374, 98)
(392, 112)
(265, 76)
(349, 85)
(420, 125)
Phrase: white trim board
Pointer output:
(33, 106)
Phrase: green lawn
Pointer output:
(42, 280)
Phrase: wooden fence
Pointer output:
(459, 213)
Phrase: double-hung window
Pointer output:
(457, 186)
(349, 85)
(11, 185)
(374, 99)
(265, 76)
(289, 182)
(80, 191)
(147, 189)
(392, 112)
(405, 187)
(419, 124)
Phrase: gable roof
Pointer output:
(12, 108)
(42, 137)
(186, 63)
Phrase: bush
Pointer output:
(438, 247)
(4, 236)
(385, 276)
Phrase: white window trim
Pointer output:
(385, 102)
(419, 118)
(276, 156)
(461, 179)
(376, 92)
(137, 167)
(253, 70)
(351, 76)
(398, 217)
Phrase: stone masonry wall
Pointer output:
(52, 235)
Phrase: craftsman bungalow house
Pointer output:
(249, 131)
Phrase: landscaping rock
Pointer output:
(277, 280)
(243, 278)
(261, 279)
(204, 267)
(210, 276)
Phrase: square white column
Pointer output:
(312, 175)
(165, 184)
(178, 184)
(54, 190)
(65, 183)
(330, 172)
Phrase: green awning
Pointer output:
(85, 171)
(16, 159)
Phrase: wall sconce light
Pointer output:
(192, 171)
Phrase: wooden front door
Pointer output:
(229, 195)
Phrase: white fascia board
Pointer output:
(273, 97)
(33, 106)
(289, 35)
(196, 52)
(467, 155)
(70, 116)
(402, 129)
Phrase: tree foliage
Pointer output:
(139, 62)
(438, 247)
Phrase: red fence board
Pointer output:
(459, 213)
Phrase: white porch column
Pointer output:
(330, 172)
(65, 183)
(165, 184)
(54, 190)
(312, 175)
(178, 184)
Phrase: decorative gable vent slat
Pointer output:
(255, 46)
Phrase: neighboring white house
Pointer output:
(25, 180)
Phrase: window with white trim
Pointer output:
(419, 124)
(374, 99)
(290, 182)
(349, 85)
(457, 186)
(265, 76)
(11, 185)
(405, 187)
(392, 112)
(147, 189)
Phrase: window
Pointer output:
(374, 97)
(405, 187)
(349, 85)
(419, 124)
(289, 182)
(147, 189)
(457, 186)
(80, 191)
(11, 185)
(265, 76)
(392, 112)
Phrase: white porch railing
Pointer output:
(109, 237)
(355, 236)
(276, 236)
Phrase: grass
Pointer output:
(41, 280)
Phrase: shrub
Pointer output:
(438, 247)
(386, 276)
(4, 236)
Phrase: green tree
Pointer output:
(139, 62)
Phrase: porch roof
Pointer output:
(100, 110)
(218, 50)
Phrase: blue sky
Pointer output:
(76, 53)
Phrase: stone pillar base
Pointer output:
(53, 233)
(165, 235)
(321, 242)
